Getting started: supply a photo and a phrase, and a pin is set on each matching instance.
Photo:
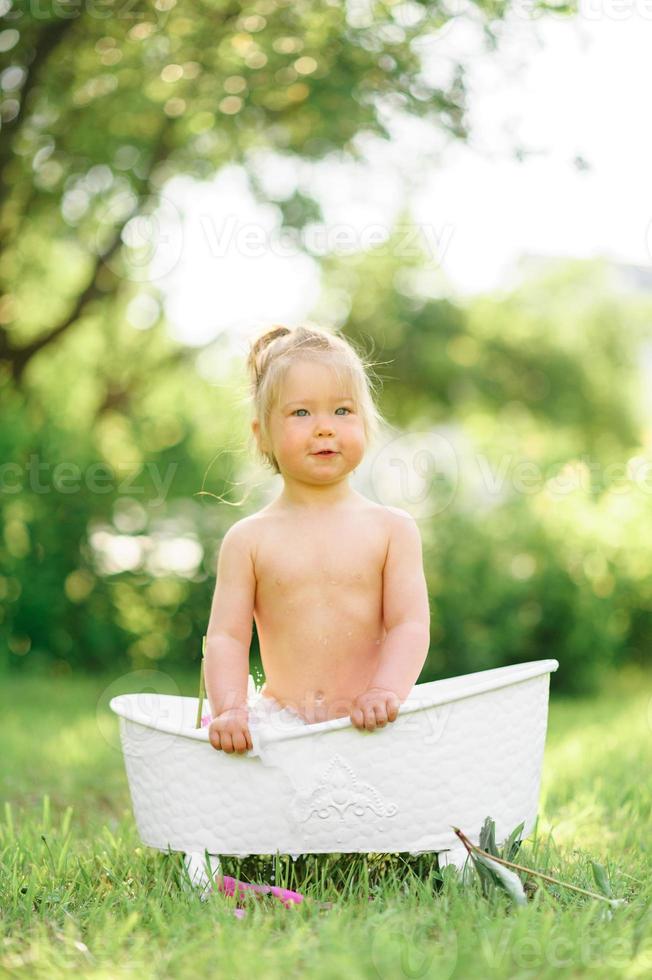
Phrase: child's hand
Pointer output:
(230, 731)
(374, 708)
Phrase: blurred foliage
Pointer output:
(561, 352)
(65, 490)
(123, 456)
(541, 391)
(522, 564)
(101, 108)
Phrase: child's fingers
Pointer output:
(214, 737)
(392, 709)
(227, 742)
(381, 715)
(239, 742)
(357, 718)
(370, 718)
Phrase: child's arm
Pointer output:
(406, 616)
(228, 638)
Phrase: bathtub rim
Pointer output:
(470, 685)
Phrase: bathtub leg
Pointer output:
(195, 864)
(456, 856)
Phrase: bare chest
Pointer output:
(335, 569)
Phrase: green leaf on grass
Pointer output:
(513, 842)
(501, 875)
(601, 879)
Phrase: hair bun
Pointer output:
(265, 339)
(259, 345)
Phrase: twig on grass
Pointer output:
(470, 846)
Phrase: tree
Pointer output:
(105, 102)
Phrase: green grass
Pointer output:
(78, 893)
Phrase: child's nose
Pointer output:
(324, 425)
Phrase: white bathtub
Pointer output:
(461, 749)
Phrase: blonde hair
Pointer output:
(272, 353)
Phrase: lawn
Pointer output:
(79, 894)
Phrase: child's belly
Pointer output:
(320, 650)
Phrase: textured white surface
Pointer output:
(460, 750)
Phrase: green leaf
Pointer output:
(601, 879)
(513, 842)
(488, 837)
(504, 877)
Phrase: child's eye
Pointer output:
(305, 410)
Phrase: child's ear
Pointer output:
(255, 428)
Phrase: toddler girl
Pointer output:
(334, 581)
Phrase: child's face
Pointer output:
(315, 412)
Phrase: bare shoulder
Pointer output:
(254, 524)
(392, 524)
(399, 512)
(363, 505)
(398, 519)
(402, 529)
(248, 532)
(386, 517)
(242, 532)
